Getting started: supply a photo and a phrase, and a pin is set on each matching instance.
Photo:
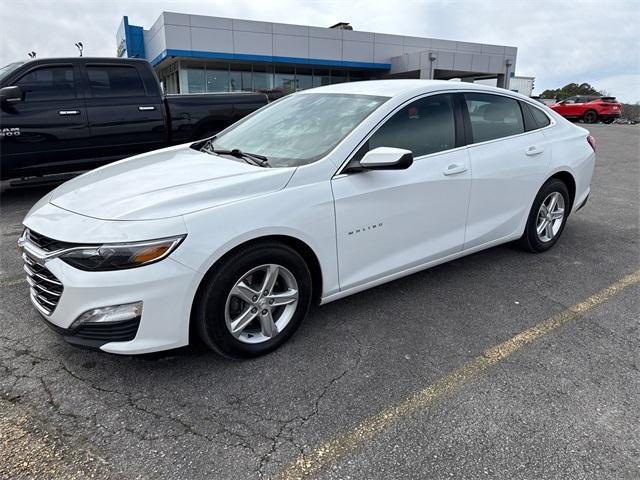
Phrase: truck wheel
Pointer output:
(590, 116)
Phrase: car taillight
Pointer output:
(592, 142)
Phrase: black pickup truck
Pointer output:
(70, 114)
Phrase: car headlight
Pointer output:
(119, 256)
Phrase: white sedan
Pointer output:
(322, 194)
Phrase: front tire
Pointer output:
(253, 301)
(547, 217)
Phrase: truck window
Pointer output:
(48, 83)
(115, 81)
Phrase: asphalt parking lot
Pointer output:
(502, 365)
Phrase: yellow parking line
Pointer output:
(11, 283)
(330, 451)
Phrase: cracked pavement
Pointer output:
(565, 407)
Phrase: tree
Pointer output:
(571, 90)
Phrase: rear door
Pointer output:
(125, 116)
(48, 129)
(508, 164)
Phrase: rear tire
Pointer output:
(590, 116)
(547, 217)
(234, 315)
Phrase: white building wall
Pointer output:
(523, 85)
(196, 33)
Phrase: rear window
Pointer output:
(534, 118)
(493, 116)
(539, 116)
(115, 81)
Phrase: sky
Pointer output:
(559, 42)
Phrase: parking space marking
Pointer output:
(11, 283)
(332, 450)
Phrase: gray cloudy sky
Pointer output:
(558, 41)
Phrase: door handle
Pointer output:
(69, 112)
(454, 168)
(145, 108)
(533, 150)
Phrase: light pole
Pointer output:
(432, 58)
(507, 72)
(80, 47)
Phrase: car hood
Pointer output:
(166, 183)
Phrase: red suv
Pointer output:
(589, 109)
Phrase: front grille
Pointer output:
(109, 332)
(45, 243)
(46, 289)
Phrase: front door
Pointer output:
(391, 220)
(571, 107)
(48, 128)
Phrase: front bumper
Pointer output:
(93, 337)
(166, 289)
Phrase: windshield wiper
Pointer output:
(251, 158)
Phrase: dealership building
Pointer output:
(197, 54)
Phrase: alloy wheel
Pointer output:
(590, 117)
(550, 217)
(261, 303)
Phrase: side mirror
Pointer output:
(11, 94)
(387, 158)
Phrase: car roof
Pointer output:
(402, 87)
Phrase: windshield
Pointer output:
(7, 69)
(299, 129)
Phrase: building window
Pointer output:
(339, 76)
(275, 81)
(192, 78)
(262, 78)
(285, 80)
(240, 78)
(321, 77)
(304, 78)
(171, 83)
(217, 77)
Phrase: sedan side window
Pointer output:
(48, 83)
(540, 117)
(493, 116)
(424, 126)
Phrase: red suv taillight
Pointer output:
(592, 142)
